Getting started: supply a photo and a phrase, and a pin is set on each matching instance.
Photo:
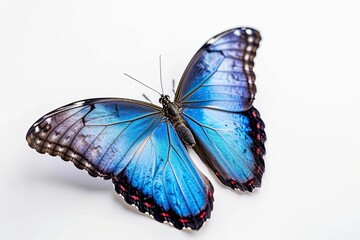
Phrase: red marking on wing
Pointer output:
(136, 198)
(165, 214)
(202, 215)
(148, 205)
(258, 151)
(258, 136)
(122, 188)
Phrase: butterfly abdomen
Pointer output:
(185, 134)
(173, 114)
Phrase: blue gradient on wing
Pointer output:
(225, 139)
(161, 168)
(133, 142)
(95, 134)
(220, 75)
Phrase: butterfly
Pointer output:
(142, 147)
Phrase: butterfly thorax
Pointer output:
(172, 112)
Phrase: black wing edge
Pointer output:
(249, 32)
(258, 149)
(147, 205)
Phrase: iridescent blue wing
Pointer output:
(220, 75)
(94, 134)
(216, 94)
(170, 189)
(132, 143)
(231, 144)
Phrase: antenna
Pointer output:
(162, 89)
(147, 98)
(141, 83)
(174, 86)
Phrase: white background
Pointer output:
(57, 52)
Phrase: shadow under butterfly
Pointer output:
(141, 146)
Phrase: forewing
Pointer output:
(231, 144)
(160, 179)
(220, 75)
(95, 134)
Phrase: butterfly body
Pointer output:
(142, 147)
(172, 112)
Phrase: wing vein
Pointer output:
(45, 140)
(57, 143)
(241, 157)
(215, 147)
(137, 160)
(74, 136)
(205, 79)
(109, 145)
(136, 141)
(162, 176)
(202, 127)
(130, 120)
(83, 155)
(172, 169)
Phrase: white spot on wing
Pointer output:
(211, 41)
(80, 103)
(237, 32)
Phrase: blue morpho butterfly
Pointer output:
(141, 147)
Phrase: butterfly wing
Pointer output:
(94, 134)
(220, 75)
(170, 189)
(132, 143)
(216, 94)
(231, 144)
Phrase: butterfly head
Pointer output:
(164, 100)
